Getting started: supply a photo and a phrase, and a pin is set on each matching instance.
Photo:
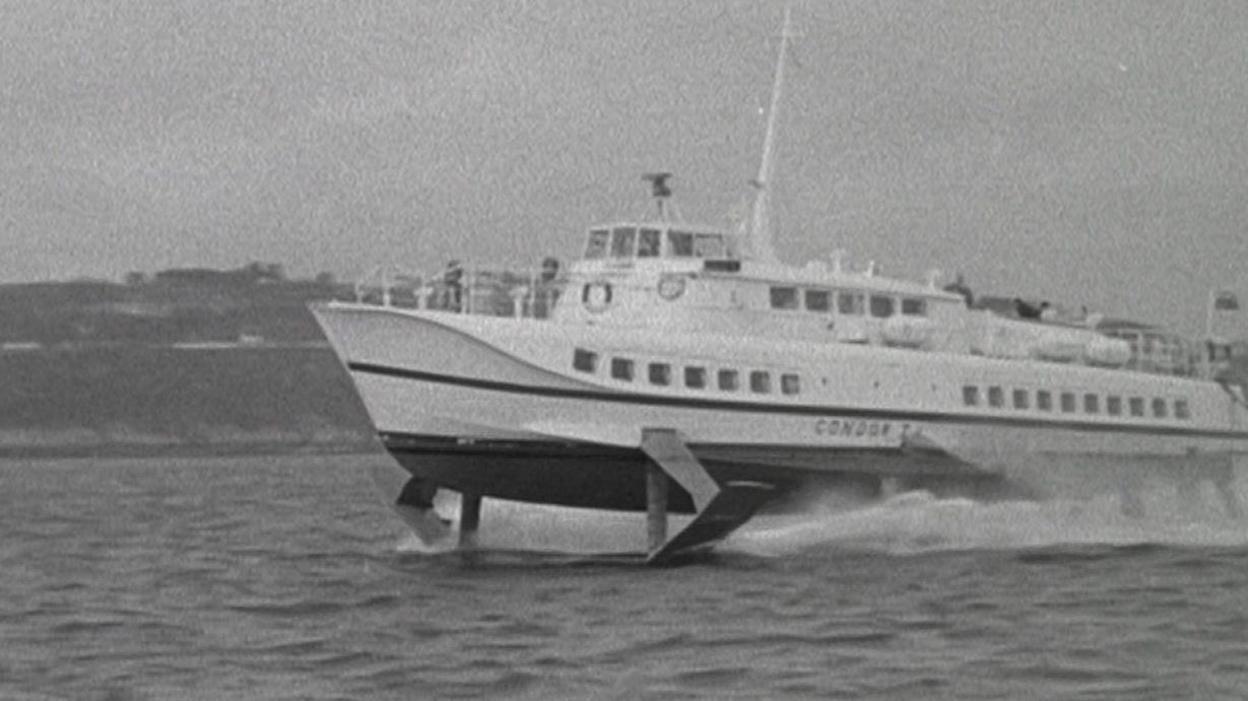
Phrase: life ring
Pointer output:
(671, 287)
(596, 296)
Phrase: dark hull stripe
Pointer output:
(418, 443)
(788, 409)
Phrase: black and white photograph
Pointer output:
(623, 349)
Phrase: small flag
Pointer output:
(1226, 301)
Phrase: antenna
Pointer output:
(760, 232)
(659, 189)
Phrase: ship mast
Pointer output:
(659, 190)
(760, 231)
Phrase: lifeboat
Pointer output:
(1061, 351)
(1109, 352)
(907, 331)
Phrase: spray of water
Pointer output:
(916, 522)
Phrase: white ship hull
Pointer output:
(494, 406)
(686, 361)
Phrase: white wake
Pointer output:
(917, 522)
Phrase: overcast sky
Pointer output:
(1085, 152)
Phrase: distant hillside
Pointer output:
(182, 360)
(141, 399)
(185, 360)
(181, 305)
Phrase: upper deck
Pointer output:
(676, 277)
(658, 240)
(710, 252)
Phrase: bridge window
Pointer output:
(660, 374)
(790, 383)
(881, 307)
(1092, 403)
(1137, 406)
(622, 369)
(914, 306)
(681, 243)
(648, 243)
(695, 378)
(760, 381)
(851, 303)
(623, 242)
(1021, 397)
(585, 361)
(1181, 410)
(597, 246)
(818, 300)
(1044, 400)
(970, 395)
(1113, 405)
(1068, 402)
(729, 380)
(1159, 408)
(784, 298)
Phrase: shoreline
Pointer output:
(176, 450)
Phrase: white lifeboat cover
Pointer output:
(1108, 351)
(907, 331)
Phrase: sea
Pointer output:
(288, 577)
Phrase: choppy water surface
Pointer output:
(288, 578)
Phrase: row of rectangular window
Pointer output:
(847, 302)
(629, 242)
(695, 377)
(1069, 402)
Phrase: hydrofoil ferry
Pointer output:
(680, 367)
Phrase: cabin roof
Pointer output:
(820, 274)
(1125, 325)
(664, 225)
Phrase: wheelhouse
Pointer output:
(662, 240)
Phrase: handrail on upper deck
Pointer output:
(485, 290)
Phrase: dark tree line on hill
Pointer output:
(254, 302)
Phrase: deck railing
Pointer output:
(486, 290)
